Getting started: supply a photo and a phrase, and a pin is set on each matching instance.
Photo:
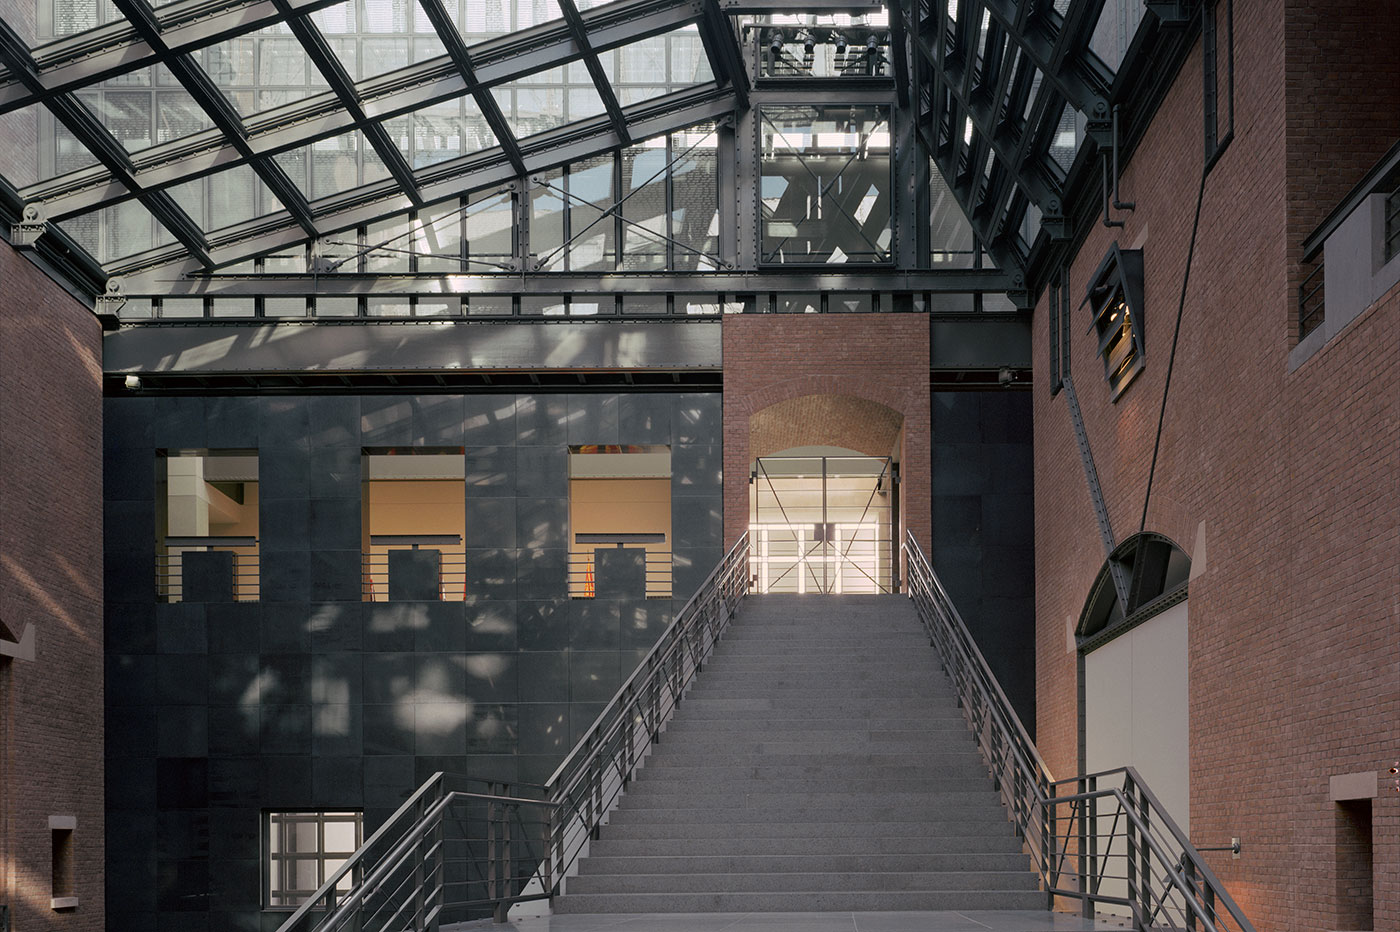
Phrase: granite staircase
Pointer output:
(820, 763)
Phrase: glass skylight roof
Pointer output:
(186, 136)
(311, 112)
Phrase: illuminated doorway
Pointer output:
(823, 524)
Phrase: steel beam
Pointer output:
(452, 40)
(579, 31)
(722, 48)
(552, 283)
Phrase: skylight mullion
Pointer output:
(595, 70)
(319, 50)
(441, 20)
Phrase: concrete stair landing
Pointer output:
(820, 763)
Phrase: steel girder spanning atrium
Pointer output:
(316, 117)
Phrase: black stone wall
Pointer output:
(313, 699)
(984, 529)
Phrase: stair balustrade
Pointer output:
(1100, 839)
(451, 853)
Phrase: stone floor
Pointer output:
(944, 921)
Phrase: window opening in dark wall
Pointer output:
(413, 521)
(620, 521)
(207, 526)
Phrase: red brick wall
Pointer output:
(1293, 479)
(772, 358)
(51, 725)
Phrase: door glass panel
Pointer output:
(822, 524)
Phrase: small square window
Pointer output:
(305, 849)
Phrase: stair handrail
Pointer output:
(1165, 877)
(573, 802)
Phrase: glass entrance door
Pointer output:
(822, 524)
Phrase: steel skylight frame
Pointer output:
(52, 75)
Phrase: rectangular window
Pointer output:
(1218, 71)
(414, 517)
(620, 521)
(304, 849)
(63, 888)
(207, 526)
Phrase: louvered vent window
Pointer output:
(1115, 298)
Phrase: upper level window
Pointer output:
(207, 526)
(824, 187)
(414, 515)
(1115, 298)
(304, 849)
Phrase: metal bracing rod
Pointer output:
(823, 189)
(98, 54)
(446, 180)
(595, 69)
(200, 86)
(617, 204)
(326, 62)
(456, 47)
(465, 260)
(612, 211)
(403, 91)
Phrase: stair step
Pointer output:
(841, 880)
(596, 864)
(803, 838)
(806, 901)
(819, 762)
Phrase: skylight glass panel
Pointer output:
(530, 110)
(534, 12)
(338, 20)
(659, 65)
(230, 65)
(482, 20)
(333, 166)
(38, 147)
(444, 131)
(225, 199)
(1115, 30)
(116, 232)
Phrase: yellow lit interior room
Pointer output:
(622, 493)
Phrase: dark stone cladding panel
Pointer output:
(313, 699)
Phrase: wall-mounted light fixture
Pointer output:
(1114, 295)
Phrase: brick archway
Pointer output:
(811, 370)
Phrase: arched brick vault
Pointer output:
(876, 362)
(825, 420)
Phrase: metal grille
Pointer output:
(1311, 301)
(1392, 225)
